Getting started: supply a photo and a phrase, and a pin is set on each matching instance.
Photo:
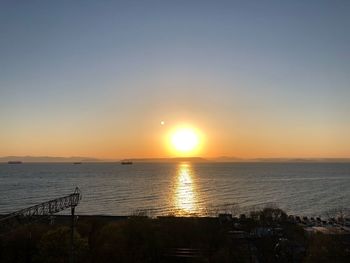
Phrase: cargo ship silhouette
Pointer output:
(14, 162)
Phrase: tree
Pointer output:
(54, 246)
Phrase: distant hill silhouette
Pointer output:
(47, 159)
(50, 159)
(168, 160)
(227, 159)
(279, 160)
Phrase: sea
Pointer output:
(180, 189)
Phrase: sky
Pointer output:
(96, 78)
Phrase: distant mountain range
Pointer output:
(47, 159)
(276, 160)
(169, 160)
(50, 159)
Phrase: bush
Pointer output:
(55, 246)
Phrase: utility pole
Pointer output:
(72, 236)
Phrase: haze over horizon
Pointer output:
(192, 159)
(115, 80)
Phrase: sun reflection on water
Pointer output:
(185, 195)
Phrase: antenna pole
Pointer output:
(72, 235)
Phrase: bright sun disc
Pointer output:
(184, 140)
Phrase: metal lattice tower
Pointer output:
(33, 213)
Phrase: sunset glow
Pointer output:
(185, 195)
(185, 141)
(168, 126)
(230, 72)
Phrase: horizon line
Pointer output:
(147, 159)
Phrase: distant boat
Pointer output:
(14, 162)
(77, 163)
(126, 162)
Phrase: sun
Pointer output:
(185, 140)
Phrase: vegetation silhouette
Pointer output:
(266, 235)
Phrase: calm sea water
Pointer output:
(179, 188)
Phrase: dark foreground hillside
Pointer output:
(263, 236)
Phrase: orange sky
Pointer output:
(143, 138)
